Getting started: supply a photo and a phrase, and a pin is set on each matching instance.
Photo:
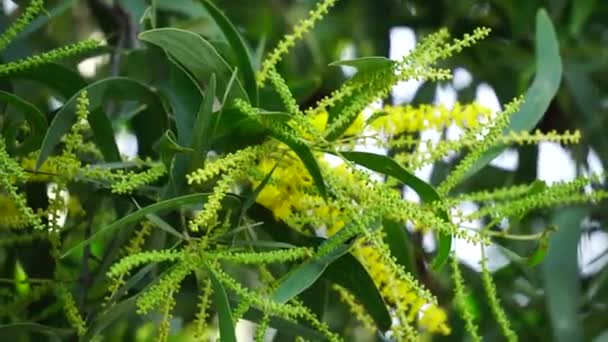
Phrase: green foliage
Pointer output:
(231, 203)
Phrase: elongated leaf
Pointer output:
(254, 195)
(103, 134)
(281, 324)
(109, 316)
(562, 278)
(224, 312)
(347, 272)
(309, 161)
(65, 81)
(201, 137)
(399, 243)
(116, 87)
(197, 56)
(138, 215)
(305, 275)
(366, 64)
(427, 193)
(544, 87)
(238, 45)
(34, 117)
(35, 328)
(167, 148)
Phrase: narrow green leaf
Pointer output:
(36, 328)
(427, 193)
(138, 215)
(561, 276)
(347, 272)
(305, 275)
(254, 195)
(366, 64)
(224, 312)
(65, 81)
(197, 56)
(167, 147)
(201, 135)
(36, 121)
(238, 45)
(120, 88)
(110, 315)
(580, 12)
(22, 284)
(103, 133)
(288, 327)
(540, 94)
(309, 161)
(399, 244)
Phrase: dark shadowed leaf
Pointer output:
(197, 56)
(119, 88)
(224, 312)
(35, 119)
(238, 45)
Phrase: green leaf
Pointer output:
(345, 271)
(63, 80)
(35, 328)
(201, 137)
(238, 45)
(22, 284)
(103, 133)
(197, 56)
(167, 148)
(540, 94)
(580, 12)
(254, 195)
(109, 316)
(281, 324)
(138, 215)
(224, 312)
(302, 277)
(366, 64)
(309, 161)
(116, 88)
(427, 193)
(399, 244)
(35, 119)
(350, 274)
(561, 277)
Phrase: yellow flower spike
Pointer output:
(356, 127)
(319, 121)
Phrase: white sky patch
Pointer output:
(486, 96)
(462, 78)
(507, 160)
(446, 95)
(51, 193)
(469, 253)
(348, 52)
(595, 163)
(88, 67)
(402, 41)
(54, 103)
(554, 163)
(127, 143)
(9, 7)
(592, 256)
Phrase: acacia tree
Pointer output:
(231, 210)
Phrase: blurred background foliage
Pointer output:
(555, 299)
